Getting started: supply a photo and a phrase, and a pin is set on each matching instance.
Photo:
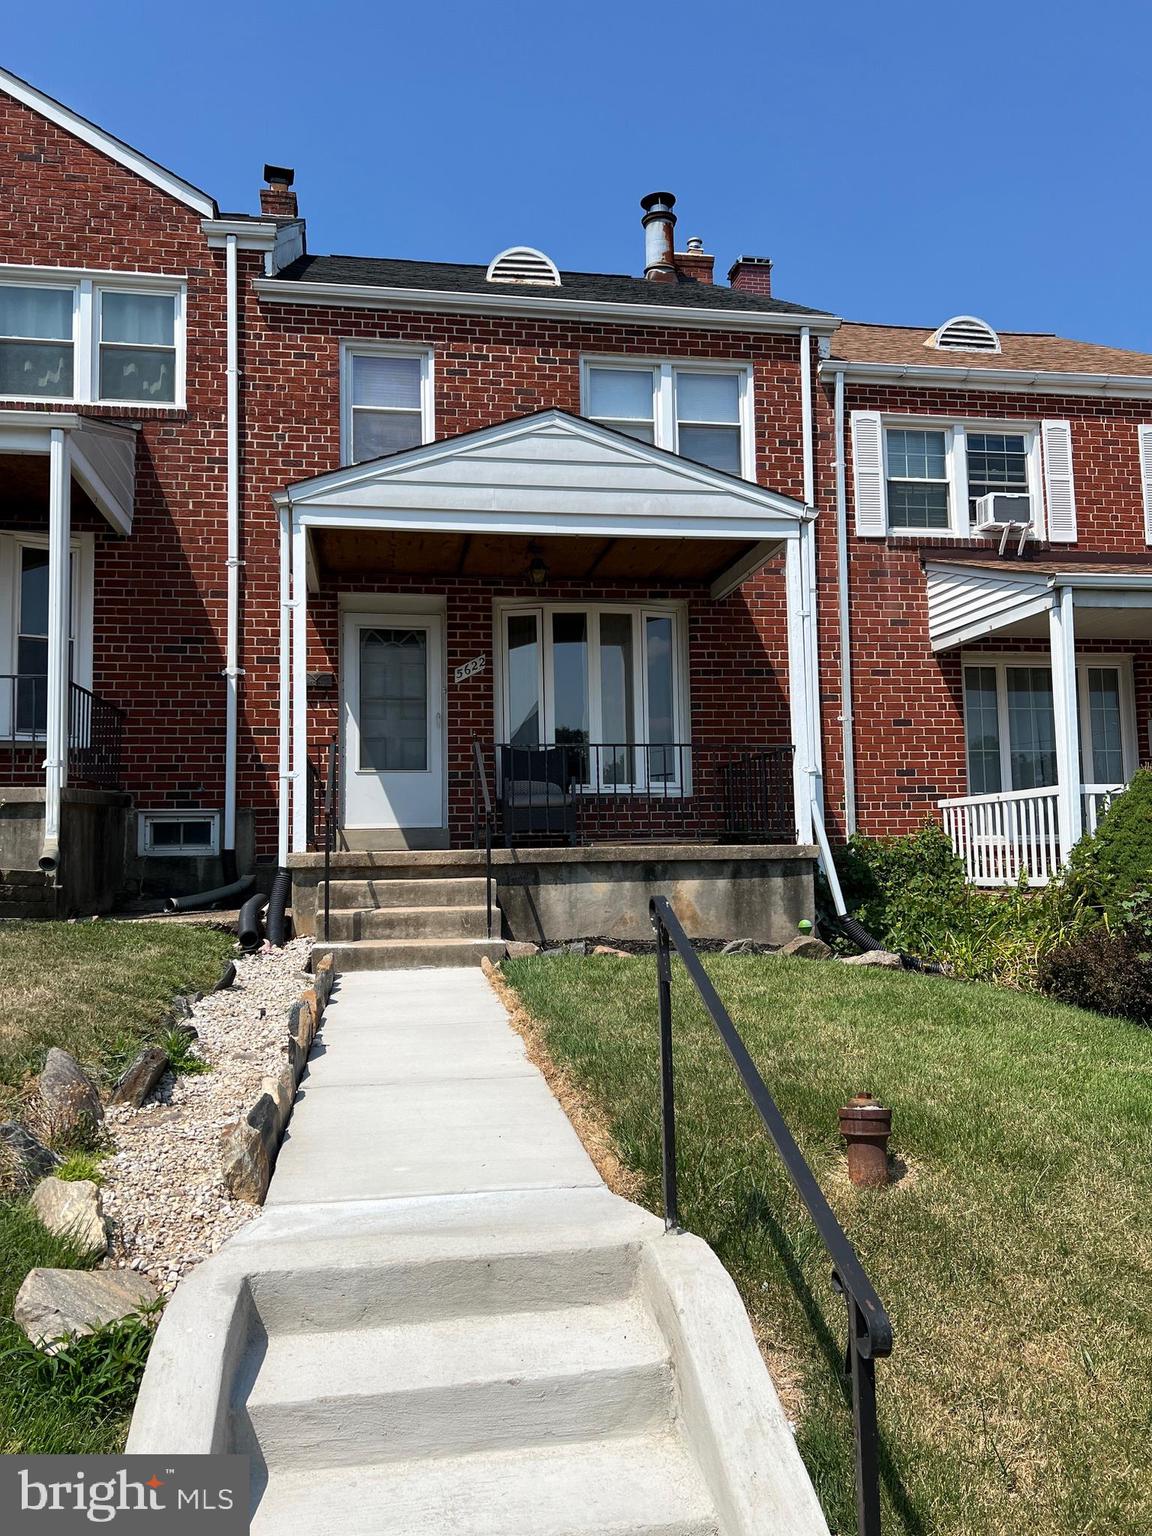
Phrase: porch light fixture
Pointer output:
(537, 570)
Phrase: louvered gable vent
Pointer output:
(965, 333)
(523, 264)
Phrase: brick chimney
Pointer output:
(752, 274)
(277, 199)
(693, 265)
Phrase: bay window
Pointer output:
(1010, 727)
(698, 410)
(606, 682)
(95, 338)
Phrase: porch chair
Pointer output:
(536, 792)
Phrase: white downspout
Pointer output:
(59, 628)
(808, 578)
(299, 686)
(232, 672)
(285, 824)
(847, 716)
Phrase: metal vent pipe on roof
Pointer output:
(659, 240)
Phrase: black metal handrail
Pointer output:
(482, 802)
(331, 785)
(869, 1329)
(95, 728)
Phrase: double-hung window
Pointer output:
(1010, 724)
(701, 412)
(997, 461)
(918, 479)
(91, 339)
(387, 401)
(605, 682)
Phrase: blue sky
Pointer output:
(900, 162)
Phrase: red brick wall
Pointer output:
(160, 594)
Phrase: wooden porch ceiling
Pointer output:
(348, 552)
(24, 490)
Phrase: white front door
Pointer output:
(393, 720)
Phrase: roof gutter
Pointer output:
(1002, 380)
(373, 296)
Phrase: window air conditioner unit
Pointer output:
(1002, 510)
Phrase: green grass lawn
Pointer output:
(1013, 1253)
(99, 991)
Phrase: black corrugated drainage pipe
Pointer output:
(277, 904)
(250, 925)
(213, 898)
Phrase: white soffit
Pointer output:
(547, 474)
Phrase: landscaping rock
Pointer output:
(55, 1302)
(31, 1159)
(227, 977)
(884, 958)
(72, 1208)
(606, 949)
(281, 1089)
(246, 1166)
(520, 949)
(141, 1077)
(69, 1098)
(739, 947)
(806, 947)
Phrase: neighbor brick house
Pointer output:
(653, 559)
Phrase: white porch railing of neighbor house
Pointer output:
(1003, 836)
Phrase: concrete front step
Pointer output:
(458, 1385)
(642, 1486)
(409, 923)
(468, 891)
(408, 954)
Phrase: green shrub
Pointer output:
(1108, 970)
(911, 893)
(1115, 863)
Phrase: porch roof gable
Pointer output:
(969, 600)
(103, 455)
(550, 473)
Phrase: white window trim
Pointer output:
(86, 287)
(677, 612)
(82, 598)
(350, 348)
(664, 396)
(146, 820)
(956, 449)
(1000, 661)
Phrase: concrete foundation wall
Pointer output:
(92, 828)
(545, 894)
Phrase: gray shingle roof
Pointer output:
(595, 287)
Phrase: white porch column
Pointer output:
(804, 766)
(59, 629)
(1062, 635)
(299, 686)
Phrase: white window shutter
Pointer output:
(1145, 436)
(1059, 487)
(871, 492)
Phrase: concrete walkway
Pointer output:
(418, 1086)
(445, 1325)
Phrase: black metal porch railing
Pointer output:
(483, 813)
(583, 792)
(95, 731)
(869, 1330)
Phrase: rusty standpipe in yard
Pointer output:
(866, 1125)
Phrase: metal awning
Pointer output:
(103, 456)
(1011, 599)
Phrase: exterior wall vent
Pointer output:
(965, 333)
(523, 264)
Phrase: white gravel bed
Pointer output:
(163, 1192)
